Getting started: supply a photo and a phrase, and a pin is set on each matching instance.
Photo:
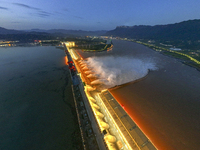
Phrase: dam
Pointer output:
(111, 125)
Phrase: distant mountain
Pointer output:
(26, 37)
(186, 30)
(9, 31)
(70, 32)
(77, 32)
(30, 35)
(22, 36)
(54, 31)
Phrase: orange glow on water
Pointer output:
(144, 123)
(66, 60)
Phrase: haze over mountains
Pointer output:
(38, 34)
(186, 30)
(52, 31)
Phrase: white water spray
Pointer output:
(119, 70)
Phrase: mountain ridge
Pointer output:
(10, 31)
(52, 31)
(185, 30)
(70, 32)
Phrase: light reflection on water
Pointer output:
(166, 103)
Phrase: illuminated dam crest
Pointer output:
(118, 130)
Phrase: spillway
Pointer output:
(113, 121)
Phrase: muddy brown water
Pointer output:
(165, 104)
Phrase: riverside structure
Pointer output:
(113, 127)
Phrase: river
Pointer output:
(36, 100)
(165, 104)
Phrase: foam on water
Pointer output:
(117, 70)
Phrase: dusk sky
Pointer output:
(94, 14)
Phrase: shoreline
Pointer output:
(101, 50)
(182, 60)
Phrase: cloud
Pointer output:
(4, 8)
(39, 12)
(56, 12)
(78, 17)
(26, 6)
(44, 13)
(15, 22)
(66, 9)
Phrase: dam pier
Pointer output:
(103, 122)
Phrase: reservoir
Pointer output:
(165, 104)
(36, 100)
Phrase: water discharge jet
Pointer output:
(118, 70)
(92, 76)
(83, 65)
(89, 72)
(85, 68)
(98, 81)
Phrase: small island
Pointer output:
(91, 44)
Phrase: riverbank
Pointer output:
(107, 47)
(186, 59)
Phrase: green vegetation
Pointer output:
(100, 47)
(90, 44)
(185, 35)
(180, 40)
(176, 55)
(50, 42)
(185, 55)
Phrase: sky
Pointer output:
(91, 15)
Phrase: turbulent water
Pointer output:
(116, 70)
(166, 103)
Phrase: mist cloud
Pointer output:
(119, 70)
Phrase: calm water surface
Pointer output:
(166, 104)
(33, 111)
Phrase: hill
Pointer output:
(9, 31)
(186, 30)
(36, 34)
(71, 32)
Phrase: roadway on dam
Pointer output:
(125, 131)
